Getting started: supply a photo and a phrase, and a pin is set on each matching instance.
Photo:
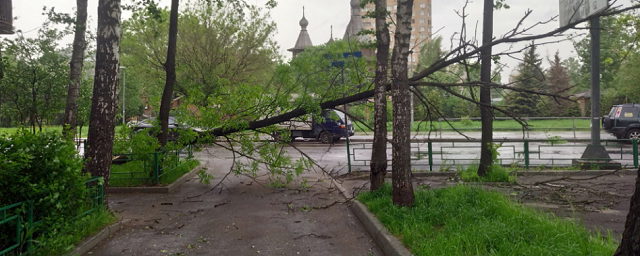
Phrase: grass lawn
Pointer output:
(465, 220)
(565, 124)
(135, 173)
(58, 128)
(74, 232)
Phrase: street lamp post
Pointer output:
(124, 86)
(411, 75)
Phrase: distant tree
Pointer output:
(559, 83)
(572, 66)
(170, 69)
(530, 77)
(618, 36)
(206, 54)
(627, 79)
(429, 53)
(34, 86)
(75, 74)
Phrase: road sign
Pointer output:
(573, 10)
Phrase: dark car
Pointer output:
(174, 127)
(623, 122)
(330, 128)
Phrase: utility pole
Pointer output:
(412, 95)
(124, 83)
(570, 12)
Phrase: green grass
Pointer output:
(134, 173)
(539, 125)
(176, 173)
(465, 220)
(11, 130)
(58, 243)
(496, 174)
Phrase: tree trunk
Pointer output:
(379, 151)
(486, 113)
(170, 69)
(630, 244)
(104, 102)
(401, 168)
(75, 75)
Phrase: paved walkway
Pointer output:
(245, 218)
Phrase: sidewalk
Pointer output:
(246, 218)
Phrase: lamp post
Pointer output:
(124, 86)
(411, 75)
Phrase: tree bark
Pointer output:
(75, 75)
(170, 69)
(630, 244)
(401, 167)
(486, 112)
(379, 151)
(104, 102)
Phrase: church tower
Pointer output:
(304, 40)
(331, 38)
(355, 24)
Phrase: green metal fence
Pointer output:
(449, 154)
(22, 216)
(148, 168)
(443, 122)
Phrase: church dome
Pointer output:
(303, 22)
(355, 3)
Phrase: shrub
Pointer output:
(139, 166)
(466, 121)
(495, 172)
(42, 167)
(46, 169)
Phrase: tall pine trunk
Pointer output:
(104, 102)
(379, 151)
(170, 69)
(630, 244)
(486, 113)
(401, 168)
(75, 75)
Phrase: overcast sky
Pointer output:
(322, 14)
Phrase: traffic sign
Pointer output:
(573, 10)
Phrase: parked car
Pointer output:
(331, 129)
(174, 127)
(623, 121)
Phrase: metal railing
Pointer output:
(21, 215)
(148, 168)
(446, 154)
(573, 127)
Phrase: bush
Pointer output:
(139, 147)
(42, 167)
(46, 169)
(496, 173)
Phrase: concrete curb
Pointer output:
(387, 242)
(89, 243)
(160, 189)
